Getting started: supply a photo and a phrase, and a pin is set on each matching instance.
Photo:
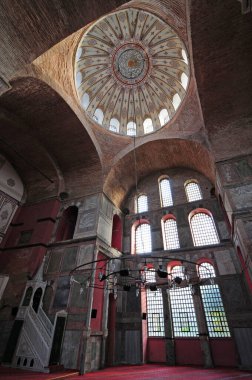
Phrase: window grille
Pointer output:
(163, 117)
(171, 239)
(203, 229)
(184, 80)
(131, 128)
(184, 56)
(178, 271)
(165, 193)
(155, 310)
(183, 313)
(214, 311)
(142, 203)
(182, 307)
(98, 116)
(206, 270)
(176, 101)
(193, 192)
(85, 101)
(114, 125)
(143, 238)
(148, 125)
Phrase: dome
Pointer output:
(131, 72)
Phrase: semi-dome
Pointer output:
(131, 72)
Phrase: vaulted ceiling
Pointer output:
(55, 147)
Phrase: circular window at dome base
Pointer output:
(131, 72)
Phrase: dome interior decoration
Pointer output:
(131, 72)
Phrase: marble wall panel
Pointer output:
(224, 262)
(85, 256)
(248, 228)
(69, 259)
(70, 349)
(241, 196)
(62, 292)
(104, 230)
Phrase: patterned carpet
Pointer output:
(144, 372)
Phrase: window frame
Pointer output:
(137, 204)
(161, 195)
(133, 236)
(194, 237)
(181, 298)
(186, 184)
(214, 311)
(152, 306)
(164, 220)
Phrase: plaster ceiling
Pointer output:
(131, 72)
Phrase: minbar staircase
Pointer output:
(34, 345)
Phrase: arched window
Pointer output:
(78, 78)
(212, 302)
(182, 307)
(114, 125)
(143, 238)
(203, 228)
(184, 80)
(155, 311)
(142, 203)
(177, 271)
(206, 270)
(184, 56)
(85, 101)
(163, 117)
(148, 125)
(165, 192)
(98, 116)
(176, 101)
(67, 224)
(192, 189)
(170, 232)
(78, 53)
(131, 128)
(116, 240)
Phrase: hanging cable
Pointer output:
(135, 165)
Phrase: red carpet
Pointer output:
(144, 372)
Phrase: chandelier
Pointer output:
(130, 273)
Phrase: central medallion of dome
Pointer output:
(130, 64)
(131, 72)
